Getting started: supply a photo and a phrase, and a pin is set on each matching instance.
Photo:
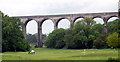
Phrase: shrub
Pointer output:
(113, 40)
(99, 42)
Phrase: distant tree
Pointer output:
(113, 40)
(56, 39)
(12, 36)
(44, 36)
(32, 39)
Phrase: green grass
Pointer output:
(62, 54)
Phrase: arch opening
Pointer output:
(31, 27)
(47, 26)
(78, 19)
(63, 23)
(99, 20)
(112, 19)
(31, 32)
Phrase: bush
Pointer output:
(113, 40)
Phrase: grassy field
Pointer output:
(62, 54)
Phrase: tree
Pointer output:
(113, 40)
(44, 36)
(88, 21)
(81, 35)
(113, 26)
(99, 28)
(1, 31)
(32, 39)
(85, 29)
(12, 36)
(73, 40)
(100, 42)
(55, 39)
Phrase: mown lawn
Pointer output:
(62, 54)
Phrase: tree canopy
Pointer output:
(113, 26)
(12, 36)
(55, 39)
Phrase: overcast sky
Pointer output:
(52, 7)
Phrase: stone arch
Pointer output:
(98, 18)
(111, 17)
(57, 22)
(78, 18)
(26, 23)
(44, 20)
(29, 19)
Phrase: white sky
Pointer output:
(51, 7)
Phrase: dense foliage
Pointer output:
(80, 36)
(12, 36)
(84, 34)
(55, 39)
(99, 28)
(100, 42)
(113, 26)
(113, 40)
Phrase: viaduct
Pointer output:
(56, 18)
